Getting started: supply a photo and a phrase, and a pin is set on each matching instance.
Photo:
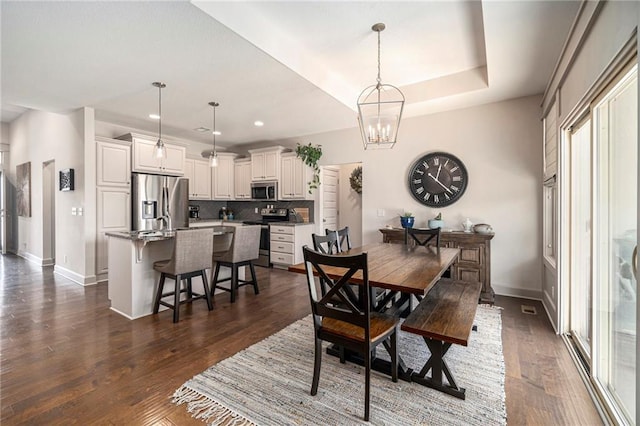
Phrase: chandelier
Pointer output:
(380, 109)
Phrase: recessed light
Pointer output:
(258, 123)
(201, 129)
(154, 116)
(217, 132)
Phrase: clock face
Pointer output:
(438, 179)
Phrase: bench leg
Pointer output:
(438, 367)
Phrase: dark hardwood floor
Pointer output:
(65, 358)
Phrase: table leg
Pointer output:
(438, 367)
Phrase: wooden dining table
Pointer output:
(403, 270)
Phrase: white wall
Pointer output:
(39, 137)
(499, 143)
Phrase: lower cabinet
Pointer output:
(474, 262)
(286, 242)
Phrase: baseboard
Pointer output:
(31, 257)
(48, 262)
(100, 278)
(523, 293)
(75, 277)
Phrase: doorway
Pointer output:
(340, 204)
(48, 213)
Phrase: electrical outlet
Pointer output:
(73, 211)
(553, 291)
(255, 210)
(65, 258)
(79, 211)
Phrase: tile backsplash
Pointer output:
(245, 210)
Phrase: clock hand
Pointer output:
(438, 174)
(439, 183)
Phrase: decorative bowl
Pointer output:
(483, 228)
(407, 222)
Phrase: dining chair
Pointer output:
(244, 249)
(422, 237)
(343, 237)
(349, 325)
(326, 244)
(192, 251)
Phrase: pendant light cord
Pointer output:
(214, 130)
(160, 112)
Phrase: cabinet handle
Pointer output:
(634, 262)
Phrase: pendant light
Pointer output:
(213, 156)
(160, 150)
(380, 109)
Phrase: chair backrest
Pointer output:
(343, 237)
(326, 244)
(222, 243)
(325, 305)
(245, 245)
(192, 250)
(423, 236)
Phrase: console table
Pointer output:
(474, 262)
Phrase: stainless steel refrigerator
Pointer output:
(159, 202)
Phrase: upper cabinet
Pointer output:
(223, 177)
(113, 162)
(243, 179)
(265, 163)
(295, 178)
(199, 174)
(145, 160)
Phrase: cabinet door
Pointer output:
(288, 177)
(242, 182)
(224, 178)
(298, 184)
(113, 164)
(173, 164)
(271, 165)
(202, 180)
(257, 166)
(189, 173)
(114, 214)
(144, 156)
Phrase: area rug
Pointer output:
(269, 383)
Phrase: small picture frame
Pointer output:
(66, 180)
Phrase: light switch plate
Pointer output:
(79, 211)
(380, 212)
(73, 211)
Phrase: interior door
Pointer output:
(329, 198)
(3, 214)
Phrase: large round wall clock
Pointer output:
(438, 179)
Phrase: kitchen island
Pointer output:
(132, 279)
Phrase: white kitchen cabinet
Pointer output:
(144, 157)
(199, 174)
(286, 243)
(223, 177)
(265, 163)
(114, 214)
(113, 162)
(242, 182)
(294, 179)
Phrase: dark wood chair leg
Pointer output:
(156, 305)
(214, 279)
(176, 300)
(256, 290)
(207, 294)
(394, 356)
(189, 288)
(367, 385)
(316, 367)
(234, 282)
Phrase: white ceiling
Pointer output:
(297, 66)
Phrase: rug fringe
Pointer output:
(206, 409)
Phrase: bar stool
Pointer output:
(192, 252)
(244, 249)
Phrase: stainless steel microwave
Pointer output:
(264, 191)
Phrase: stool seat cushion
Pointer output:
(161, 265)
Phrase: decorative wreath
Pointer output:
(356, 179)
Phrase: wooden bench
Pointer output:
(444, 317)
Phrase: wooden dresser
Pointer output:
(474, 262)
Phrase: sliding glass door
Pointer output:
(616, 119)
(602, 216)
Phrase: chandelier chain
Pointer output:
(379, 80)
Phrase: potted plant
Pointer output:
(311, 154)
(407, 220)
(436, 222)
